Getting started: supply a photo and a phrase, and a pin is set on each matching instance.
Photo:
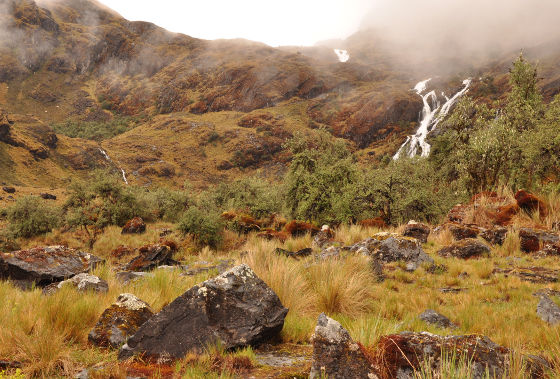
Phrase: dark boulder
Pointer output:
(465, 249)
(548, 310)
(494, 236)
(8, 189)
(395, 248)
(45, 265)
(432, 317)
(47, 196)
(403, 355)
(533, 239)
(134, 226)
(150, 257)
(336, 355)
(417, 230)
(461, 232)
(235, 309)
(121, 320)
(531, 274)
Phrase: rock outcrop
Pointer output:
(82, 282)
(548, 310)
(533, 240)
(336, 355)
(150, 257)
(45, 265)
(417, 230)
(121, 320)
(235, 309)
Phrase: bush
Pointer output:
(30, 217)
(162, 203)
(206, 228)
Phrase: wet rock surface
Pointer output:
(121, 320)
(464, 249)
(336, 355)
(45, 265)
(236, 308)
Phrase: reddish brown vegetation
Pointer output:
(531, 203)
(300, 228)
(377, 222)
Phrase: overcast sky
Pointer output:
(288, 22)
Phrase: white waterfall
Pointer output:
(432, 114)
(342, 55)
(108, 159)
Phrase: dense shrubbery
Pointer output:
(30, 216)
(96, 130)
(206, 228)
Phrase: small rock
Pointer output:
(495, 236)
(396, 248)
(336, 355)
(531, 274)
(119, 321)
(47, 196)
(126, 277)
(548, 310)
(464, 249)
(432, 317)
(294, 254)
(323, 238)
(134, 226)
(461, 232)
(533, 239)
(377, 269)
(235, 309)
(329, 252)
(165, 232)
(417, 230)
(82, 282)
(9, 189)
(150, 257)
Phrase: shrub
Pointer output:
(29, 217)
(206, 228)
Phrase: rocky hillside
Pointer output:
(200, 110)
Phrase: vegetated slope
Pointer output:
(208, 110)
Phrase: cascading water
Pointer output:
(432, 114)
(108, 159)
(342, 55)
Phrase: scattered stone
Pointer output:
(45, 265)
(126, 277)
(432, 317)
(134, 226)
(465, 249)
(200, 267)
(417, 230)
(9, 189)
(121, 320)
(549, 250)
(150, 257)
(47, 196)
(436, 269)
(336, 355)
(461, 232)
(548, 310)
(452, 289)
(165, 232)
(531, 274)
(294, 254)
(366, 247)
(546, 292)
(82, 282)
(403, 355)
(235, 309)
(495, 236)
(396, 248)
(323, 238)
(329, 252)
(532, 239)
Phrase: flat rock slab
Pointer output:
(45, 265)
(235, 309)
(531, 274)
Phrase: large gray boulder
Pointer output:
(548, 310)
(45, 265)
(336, 355)
(234, 309)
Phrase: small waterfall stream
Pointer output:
(108, 159)
(342, 55)
(432, 113)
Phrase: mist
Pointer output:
(444, 29)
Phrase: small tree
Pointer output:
(206, 228)
(30, 217)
